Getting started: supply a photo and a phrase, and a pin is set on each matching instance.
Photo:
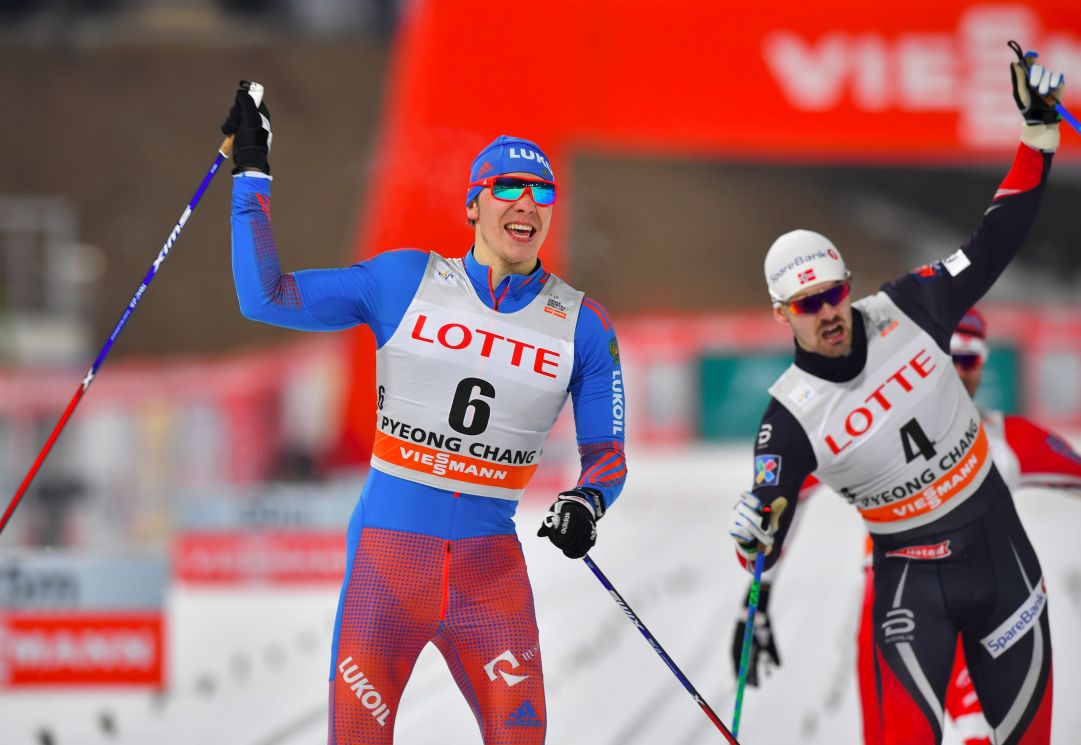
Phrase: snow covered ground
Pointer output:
(250, 667)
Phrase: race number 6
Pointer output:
(463, 405)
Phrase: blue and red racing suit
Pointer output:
(429, 563)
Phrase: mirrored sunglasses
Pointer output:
(813, 303)
(511, 188)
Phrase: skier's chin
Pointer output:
(519, 252)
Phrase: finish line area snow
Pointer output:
(250, 666)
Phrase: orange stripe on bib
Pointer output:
(952, 483)
(453, 466)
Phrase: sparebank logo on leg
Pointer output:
(509, 679)
(365, 691)
(1014, 628)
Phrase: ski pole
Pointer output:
(1068, 117)
(748, 635)
(223, 152)
(729, 736)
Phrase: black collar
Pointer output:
(837, 369)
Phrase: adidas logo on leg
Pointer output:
(523, 716)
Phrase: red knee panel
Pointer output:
(1039, 729)
(961, 695)
(904, 723)
(865, 666)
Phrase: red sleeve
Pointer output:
(809, 485)
(1045, 458)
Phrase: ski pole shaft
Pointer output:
(748, 635)
(729, 736)
(1070, 118)
(223, 152)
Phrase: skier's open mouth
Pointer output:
(520, 231)
(833, 333)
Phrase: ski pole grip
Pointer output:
(256, 91)
(1024, 60)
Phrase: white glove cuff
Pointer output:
(584, 502)
(1042, 137)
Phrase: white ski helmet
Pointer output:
(801, 259)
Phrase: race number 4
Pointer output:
(916, 442)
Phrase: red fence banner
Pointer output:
(275, 558)
(81, 619)
(80, 649)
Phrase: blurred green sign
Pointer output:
(1001, 384)
(733, 390)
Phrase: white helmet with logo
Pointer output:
(801, 259)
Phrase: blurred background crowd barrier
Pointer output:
(685, 136)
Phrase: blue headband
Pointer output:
(507, 154)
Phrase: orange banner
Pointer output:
(450, 465)
(945, 488)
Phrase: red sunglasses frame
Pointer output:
(488, 181)
(794, 305)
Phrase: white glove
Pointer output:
(754, 524)
(1035, 91)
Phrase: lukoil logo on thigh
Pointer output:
(365, 691)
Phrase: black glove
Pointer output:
(571, 522)
(251, 125)
(762, 644)
(1033, 84)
